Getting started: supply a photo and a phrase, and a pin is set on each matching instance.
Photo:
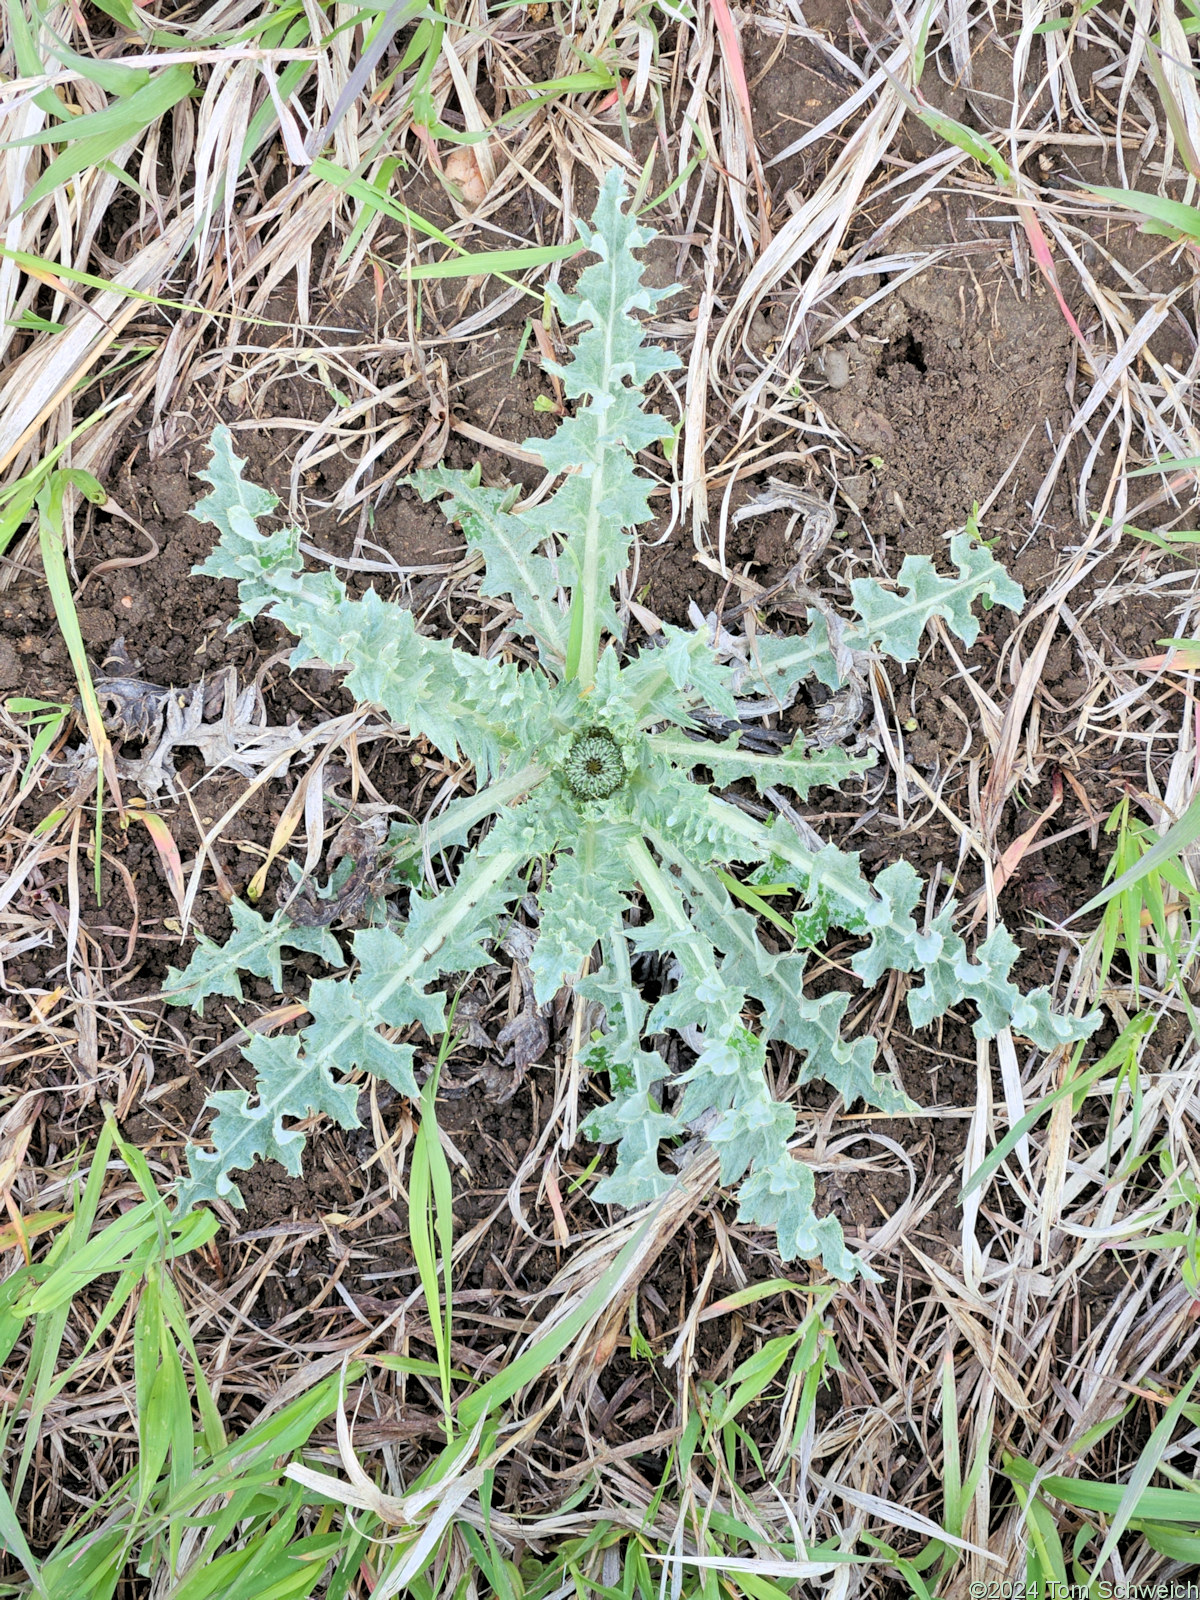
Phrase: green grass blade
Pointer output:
(51, 540)
(428, 1183)
(13, 1540)
(467, 264)
(1089, 1494)
(1130, 1038)
(551, 1345)
(129, 116)
(49, 1331)
(39, 266)
(952, 1495)
(42, 740)
(1164, 541)
(1181, 220)
(97, 136)
(753, 1375)
(1173, 843)
(28, 53)
(967, 140)
(1166, 464)
(1139, 1478)
(1170, 1542)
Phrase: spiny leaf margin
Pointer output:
(662, 832)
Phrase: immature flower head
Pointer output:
(594, 768)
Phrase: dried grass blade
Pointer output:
(735, 67)
(1002, 778)
(43, 378)
(1040, 246)
(168, 851)
(889, 1511)
(1130, 1038)
(1015, 854)
(396, 15)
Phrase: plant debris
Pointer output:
(228, 727)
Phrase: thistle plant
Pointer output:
(594, 785)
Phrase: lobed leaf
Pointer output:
(573, 847)
(795, 768)
(634, 1120)
(889, 621)
(601, 497)
(455, 700)
(590, 882)
(509, 546)
(894, 623)
(255, 946)
(665, 683)
(296, 1075)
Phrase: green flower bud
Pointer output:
(594, 769)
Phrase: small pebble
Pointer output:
(837, 368)
(10, 665)
(858, 487)
(96, 624)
